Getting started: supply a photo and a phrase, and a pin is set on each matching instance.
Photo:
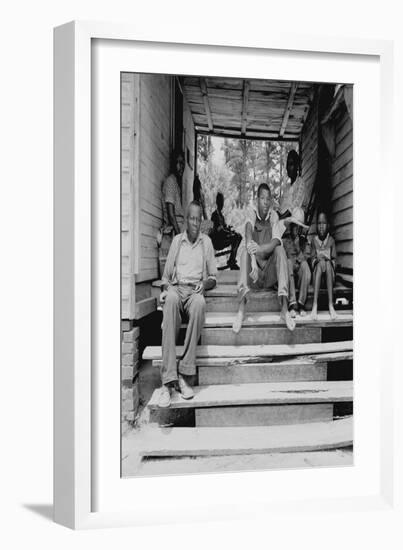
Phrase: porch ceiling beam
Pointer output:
(236, 134)
(203, 88)
(245, 100)
(288, 108)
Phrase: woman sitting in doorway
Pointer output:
(294, 193)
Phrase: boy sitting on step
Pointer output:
(323, 262)
(297, 251)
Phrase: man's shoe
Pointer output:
(164, 399)
(185, 390)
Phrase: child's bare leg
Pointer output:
(242, 291)
(254, 269)
(237, 324)
(291, 285)
(329, 284)
(316, 288)
(285, 314)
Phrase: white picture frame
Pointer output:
(80, 252)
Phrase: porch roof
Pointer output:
(248, 108)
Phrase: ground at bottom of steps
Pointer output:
(133, 466)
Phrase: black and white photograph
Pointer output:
(237, 274)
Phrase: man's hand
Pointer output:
(323, 255)
(199, 288)
(252, 247)
(163, 296)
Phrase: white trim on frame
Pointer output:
(88, 489)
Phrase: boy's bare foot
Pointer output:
(333, 314)
(314, 313)
(237, 324)
(289, 321)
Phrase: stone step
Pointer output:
(275, 393)
(314, 436)
(250, 335)
(263, 415)
(236, 463)
(249, 353)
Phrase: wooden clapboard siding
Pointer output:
(342, 190)
(129, 166)
(155, 144)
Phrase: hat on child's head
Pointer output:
(298, 217)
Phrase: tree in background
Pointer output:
(245, 164)
(205, 148)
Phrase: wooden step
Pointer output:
(224, 298)
(275, 393)
(272, 319)
(275, 350)
(227, 277)
(285, 371)
(263, 415)
(249, 335)
(236, 463)
(251, 361)
(246, 440)
(231, 290)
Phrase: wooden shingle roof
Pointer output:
(248, 108)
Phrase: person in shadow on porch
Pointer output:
(198, 195)
(264, 262)
(223, 235)
(294, 191)
(173, 219)
(189, 271)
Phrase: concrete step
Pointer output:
(246, 440)
(276, 393)
(254, 353)
(131, 466)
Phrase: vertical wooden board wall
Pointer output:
(128, 131)
(309, 149)
(155, 143)
(189, 145)
(342, 191)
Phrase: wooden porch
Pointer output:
(294, 391)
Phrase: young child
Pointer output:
(297, 250)
(323, 262)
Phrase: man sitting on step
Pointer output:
(264, 262)
(190, 269)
